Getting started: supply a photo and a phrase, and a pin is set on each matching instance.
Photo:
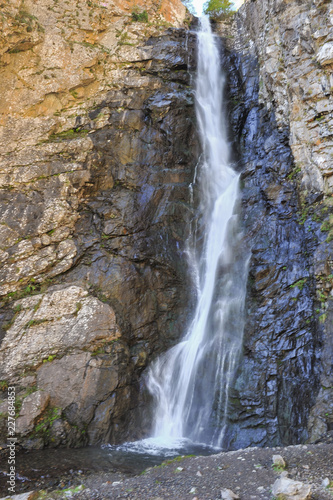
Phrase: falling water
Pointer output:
(190, 383)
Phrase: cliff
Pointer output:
(98, 146)
(99, 149)
(280, 63)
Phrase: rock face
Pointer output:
(33, 406)
(98, 145)
(98, 154)
(281, 111)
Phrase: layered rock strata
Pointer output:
(98, 148)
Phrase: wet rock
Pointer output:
(94, 174)
(287, 489)
(285, 152)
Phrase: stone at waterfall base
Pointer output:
(287, 489)
(227, 494)
(278, 461)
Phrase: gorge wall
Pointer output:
(99, 149)
(280, 58)
(98, 142)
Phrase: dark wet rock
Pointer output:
(282, 393)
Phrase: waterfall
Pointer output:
(190, 383)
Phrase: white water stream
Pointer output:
(190, 383)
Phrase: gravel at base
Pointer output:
(248, 473)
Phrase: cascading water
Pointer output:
(190, 383)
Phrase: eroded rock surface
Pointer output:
(98, 148)
(65, 353)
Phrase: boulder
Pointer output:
(287, 489)
(50, 324)
(32, 406)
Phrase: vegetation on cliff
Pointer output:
(219, 9)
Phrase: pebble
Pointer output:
(180, 469)
(198, 474)
(227, 494)
(193, 490)
(325, 482)
(278, 461)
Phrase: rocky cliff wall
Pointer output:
(280, 60)
(98, 148)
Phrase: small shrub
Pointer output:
(3, 385)
(300, 284)
(35, 322)
(50, 358)
(78, 308)
(46, 421)
(322, 318)
(141, 17)
(68, 134)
